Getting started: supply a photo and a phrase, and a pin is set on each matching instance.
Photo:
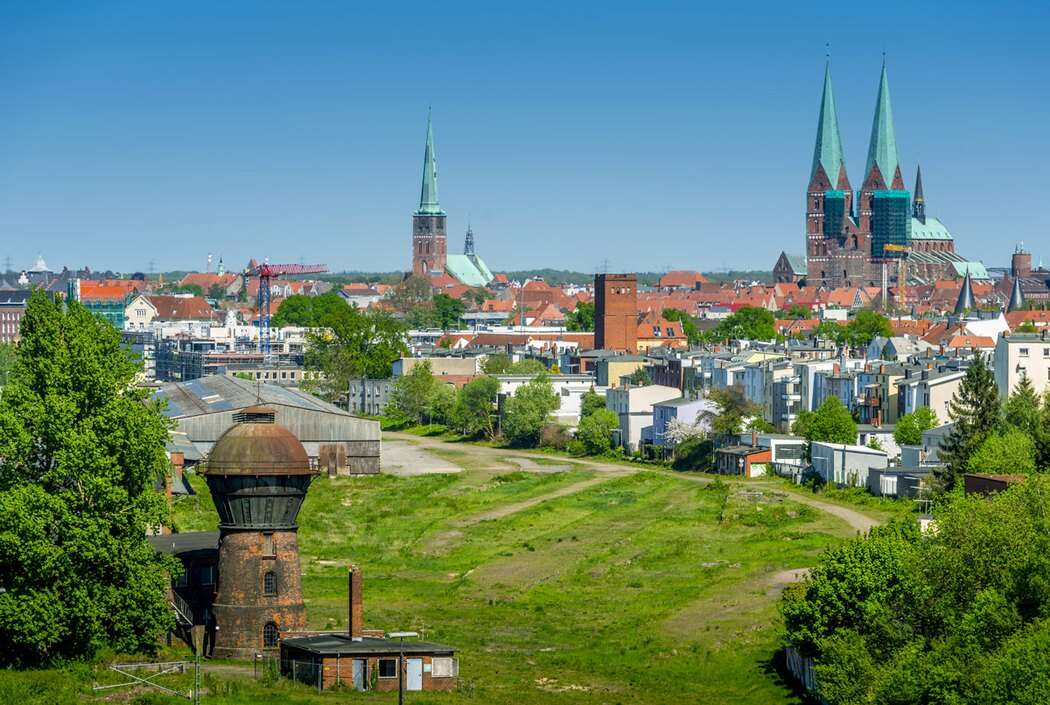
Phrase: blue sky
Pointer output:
(646, 135)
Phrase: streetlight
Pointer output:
(401, 663)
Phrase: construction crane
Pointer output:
(902, 272)
(266, 272)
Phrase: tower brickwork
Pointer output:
(616, 312)
(429, 238)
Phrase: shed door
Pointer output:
(360, 674)
(414, 680)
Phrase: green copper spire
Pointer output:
(428, 197)
(828, 151)
(882, 149)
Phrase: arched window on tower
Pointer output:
(269, 583)
(270, 635)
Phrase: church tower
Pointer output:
(429, 244)
(885, 211)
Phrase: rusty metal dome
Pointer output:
(258, 446)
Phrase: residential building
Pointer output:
(368, 397)
(107, 301)
(693, 412)
(927, 387)
(569, 389)
(845, 465)
(12, 308)
(876, 400)
(634, 406)
(441, 365)
(609, 370)
(1020, 355)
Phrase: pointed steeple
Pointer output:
(428, 197)
(468, 244)
(965, 301)
(882, 149)
(918, 204)
(1016, 297)
(828, 149)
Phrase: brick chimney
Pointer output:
(356, 622)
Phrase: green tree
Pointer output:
(910, 427)
(447, 311)
(525, 413)
(194, 289)
(595, 431)
(866, 326)
(496, 364)
(527, 366)
(441, 404)
(830, 330)
(357, 344)
(1022, 409)
(475, 405)
(797, 312)
(590, 402)
(80, 449)
(640, 377)
(216, 292)
(8, 352)
(322, 311)
(688, 324)
(748, 323)
(734, 410)
(830, 423)
(581, 318)
(412, 393)
(1004, 453)
(975, 412)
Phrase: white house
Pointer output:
(1022, 355)
(846, 465)
(634, 406)
(569, 388)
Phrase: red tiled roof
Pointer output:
(681, 279)
(183, 308)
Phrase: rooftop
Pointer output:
(340, 644)
(175, 544)
(213, 393)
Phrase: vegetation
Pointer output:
(975, 412)
(734, 410)
(910, 427)
(590, 402)
(8, 352)
(501, 364)
(582, 318)
(688, 324)
(595, 430)
(858, 332)
(956, 616)
(355, 344)
(639, 376)
(311, 311)
(80, 450)
(694, 454)
(830, 423)
(525, 413)
(475, 406)
(749, 322)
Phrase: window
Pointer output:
(387, 668)
(443, 667)
(269, 583)
(207, 575)
(1046, 352)
(1023, 352)
(270, 635)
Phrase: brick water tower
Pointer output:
(258, 473)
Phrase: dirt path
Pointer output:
(509, 509)
(857, 520)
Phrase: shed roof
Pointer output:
(176, 544)
(339, 644)
(212, 393)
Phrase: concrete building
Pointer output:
(12, 308)
(927, 387)
(441, 365)
(204, 409)
(569, 389)
(695, 412)
(845, 465)
(634, 406)
(368, 397)
(610, 369)
(1020, 355)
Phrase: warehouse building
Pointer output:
(338, 442)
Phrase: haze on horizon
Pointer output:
(674, 137)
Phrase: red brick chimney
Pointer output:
(356, 604)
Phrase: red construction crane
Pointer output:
(266, 272)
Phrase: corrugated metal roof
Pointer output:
(213, 393)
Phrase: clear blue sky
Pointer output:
(649, 135)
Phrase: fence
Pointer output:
(802, 668)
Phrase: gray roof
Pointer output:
(332, 644)
(213, 393)
(682, 401)
(175, 544)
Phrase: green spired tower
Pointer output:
(429, 245)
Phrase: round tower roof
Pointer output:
(254, 448)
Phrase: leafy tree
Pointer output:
(734, 409)
(413, 292)
(194, 289)
(590, 402)
(320, 311)
(695, 453)
(447, 311)
(358, 344)
(1022, 409)
(640, 377)
(748, 323)
(475, 404)
(830, 423)
(411, 393)
(975, 412)
(8, 352)
(688, 324)
(527, 366)
(80, 449)
(216, 292)
(797, 312)
(1009, 453)
(441, 404)
(866, 326)
(525, 413)
(582, 318)
(496, 364)
(679, 431)
(830, 330)
(1026, 327)
(595, 431)
(910, 427)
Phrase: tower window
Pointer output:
(270, 635)
(269, 583)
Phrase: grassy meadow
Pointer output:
(579, 586)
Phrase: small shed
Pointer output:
(748, 461)
(368, 662)
(985, 485)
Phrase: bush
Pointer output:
(555, 436)
(694, 454)
(595, 431)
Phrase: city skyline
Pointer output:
(299, 135)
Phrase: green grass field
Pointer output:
(627, 588)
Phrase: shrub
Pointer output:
(694, 454)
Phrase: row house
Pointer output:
(12, 308)
(927, 386)
(634, 407)
(1020, 355)
(876, 401)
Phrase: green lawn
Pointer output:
(641, 588)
